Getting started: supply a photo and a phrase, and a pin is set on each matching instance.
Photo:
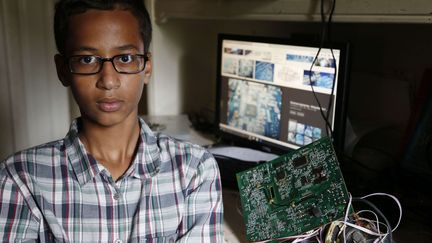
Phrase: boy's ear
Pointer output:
(62, 70)
(148, 69)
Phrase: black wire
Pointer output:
(316, 97)
(328, 35)
(323, 23)
(370, 204)
(325, 35)
(334, 59)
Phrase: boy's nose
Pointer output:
(108, 77)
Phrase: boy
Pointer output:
(110, 179)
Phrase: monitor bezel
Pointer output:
(341, 98)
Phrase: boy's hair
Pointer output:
(64, 9)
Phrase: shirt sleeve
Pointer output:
(18, 223)
(203, 216)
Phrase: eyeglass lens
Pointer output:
(93, 64)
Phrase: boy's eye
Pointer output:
(88, 59)
(126, 58)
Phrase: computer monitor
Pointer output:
(278, 95)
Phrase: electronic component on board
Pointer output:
(294, 193)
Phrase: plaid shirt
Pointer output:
(57, 192)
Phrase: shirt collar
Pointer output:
(145, 164)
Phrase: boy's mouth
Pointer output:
(109, 104)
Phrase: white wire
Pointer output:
(370, 222)
(346, 215)
(397, 202)
(377, 224)
(321, 233)
(363, 229)
(318, 239)
(374, 214)
(312, 234)
(296, 238)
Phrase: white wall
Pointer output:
(33, 104)
(184, 58)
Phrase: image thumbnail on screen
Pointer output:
(318, 79)
(254, 107)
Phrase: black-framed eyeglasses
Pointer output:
(91, 64)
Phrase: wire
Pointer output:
(325, 35)
(363, 229)
(392, 197)
(346, 215)
(295, 238)
(380, 231)
(374, 227)
(389, 230)
(370, 223)
(373, 213)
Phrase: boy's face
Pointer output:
(106, 98)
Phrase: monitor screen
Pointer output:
(279, 94)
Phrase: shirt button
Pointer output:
(118, 241)
(116, 197)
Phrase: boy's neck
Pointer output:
(113, 147)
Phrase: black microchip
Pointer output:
(280, 175)
(320, 179)
(317, 170)
(319, 174)
(314, 211)
(317, 212)
(301, 161)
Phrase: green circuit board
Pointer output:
(294, 193)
